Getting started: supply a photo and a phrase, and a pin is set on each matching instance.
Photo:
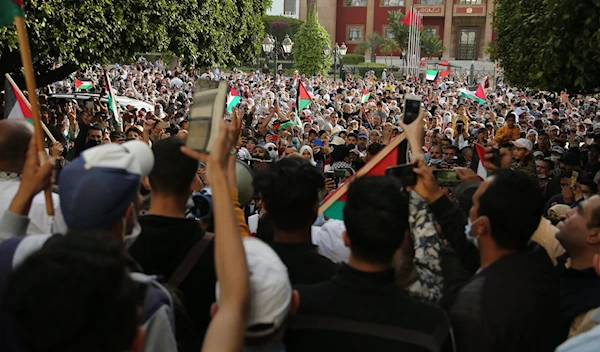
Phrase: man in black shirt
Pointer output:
(289, 190)
(361, 308)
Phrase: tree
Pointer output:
(388, 47)
(85, 32)
(398, 29)
(548, 44)
(310, 40)
(280, 26)
(371, 43)
(431, 44)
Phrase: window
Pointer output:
(355, 33)
(431, 2)
(289, 7)
(467, 44)
(387, 32)
(432, 31)
(357, 3)
(392, 2)
(470, 2)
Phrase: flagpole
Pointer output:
(9, 78)
(35, 111)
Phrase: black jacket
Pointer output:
(160, 248)
(512, 305)
(305, 265)
(356, 296)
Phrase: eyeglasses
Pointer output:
(271, 149)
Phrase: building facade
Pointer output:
(288, 8)
(464, 26)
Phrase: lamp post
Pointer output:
(271, 45)
(337, 53)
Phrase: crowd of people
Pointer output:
(150, 249)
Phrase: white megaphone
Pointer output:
(245, 178)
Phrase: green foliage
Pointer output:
(431, 44)
(371, 43)
(388, 47)
(293, 25)
(371, 66)
(353, 59)
(398, 29)
(549, 44)
(308, 46)
(84, 32)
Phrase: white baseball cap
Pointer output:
(523, 143)
(270, 288)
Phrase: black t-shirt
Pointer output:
(305, 265)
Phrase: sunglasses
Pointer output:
(271, 149)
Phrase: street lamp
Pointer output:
(336, 54)
(271, 45)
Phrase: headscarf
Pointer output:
(312, 157)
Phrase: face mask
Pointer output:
(542, 176)
(468, 228)
(555, 158)
(537, 162)
(589, 141)
(435, 161)
(251, 207)
(273, 154)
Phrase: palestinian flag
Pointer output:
(303, 97)
(83, 84)
(431, 75)
(9, 9)
(477, 162)
(478, 96)
(112, 99)
(366, 95)
(233, 99)
(333, 205)
(15, 104)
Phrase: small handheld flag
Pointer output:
(83, 84)
(366, 95)
(112, 99)
(233, 99)
(303, 97)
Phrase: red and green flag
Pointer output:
(366, 95)
(9, 9)
(303, 97)
(16, 105)
(477, 161)
(79, 84)
(233, 99)
(333, 205)
(478, 96)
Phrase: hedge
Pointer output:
(353, 59)
(371, 66)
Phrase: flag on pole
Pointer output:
(112, 99)
(333, 205)
(303, 97)
(432, 75)
(366, 95)
(9, 9)
(15, 105)
(83, 84)
(477, 162)
(412, 18)
(233, 99)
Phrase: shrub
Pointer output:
(353, 59)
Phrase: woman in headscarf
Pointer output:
(272, 150)
(259, 152)
(307, 154)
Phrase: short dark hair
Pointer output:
(549, 162)
(95, 128)
(289, 189)
(74, 294)
(173, 171)
(514, 190)
(374, 148)
(352, 134)
(376, 218)
(591, 184)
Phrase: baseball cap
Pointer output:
(553, 127)
(532, 131)
(337, 141)
(97, 187)
(557, 149)
(270, 289)
(538, 153)
(587, 122)
(570, 158)
(523, 143)
(362, 135)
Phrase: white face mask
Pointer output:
(468, 229)
(555, 158)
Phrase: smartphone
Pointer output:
(405, 173)
(329, 175)
(412, 106)
(446, 178)
(339, 174)
(208, 110)
(319, 143)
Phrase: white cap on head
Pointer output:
(270, 288)
(523, 143)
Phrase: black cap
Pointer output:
(571, 158)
